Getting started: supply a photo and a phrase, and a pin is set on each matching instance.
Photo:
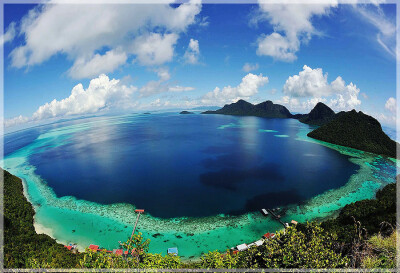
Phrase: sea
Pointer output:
(201, 179)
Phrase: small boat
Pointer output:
(264, 212)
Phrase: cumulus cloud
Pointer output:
(391, 105)
(192, 52)
(79, 31)
(15, 121)
(154, 48)
(247, 67)
(292, 23)
(101, 94)
(313, 84)
(278, 47)
(98, 64)
(248, 87)
(309, 82)
(346, 95)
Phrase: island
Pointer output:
(319, 115)
(185, 113)
(265, 109)
(350, 129)
(356, 130)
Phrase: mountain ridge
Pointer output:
(266, 109)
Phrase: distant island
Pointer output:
(186, 112)
(351, 129)
(265, 109)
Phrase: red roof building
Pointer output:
(267, 235)
(94, 247)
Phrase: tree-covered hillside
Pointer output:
(356, 130)
(23, 247)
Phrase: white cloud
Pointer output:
(391, 104)
(192, 52)
(79, 31)
(203, 22)
(292, 26)
(247, 67)
(278, 47)
(346, 95)
(299, 104)
(248, 87)
(154, 48)
(163, 73)
(15, 121)
(178, 88)
(389, 120)
(9, 35)
(98, 64)
(101, 94)
(310, 103)
(313, 84)
(289, 102)
(309, 82)
(162, 85)
(386, 26)
(378, 19)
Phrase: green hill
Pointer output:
(23, 247)
(319, 115)
(356, 130)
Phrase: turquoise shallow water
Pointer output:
(71, 220)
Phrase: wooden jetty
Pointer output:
(277, 217)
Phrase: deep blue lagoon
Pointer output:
(187, 165)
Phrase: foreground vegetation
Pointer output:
(362, 236)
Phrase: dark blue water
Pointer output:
(183, 165)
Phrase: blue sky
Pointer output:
(71, 60)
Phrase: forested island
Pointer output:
(356, 130)
(350, 129)
(266, 109)
(319, 115)
(362, 236)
